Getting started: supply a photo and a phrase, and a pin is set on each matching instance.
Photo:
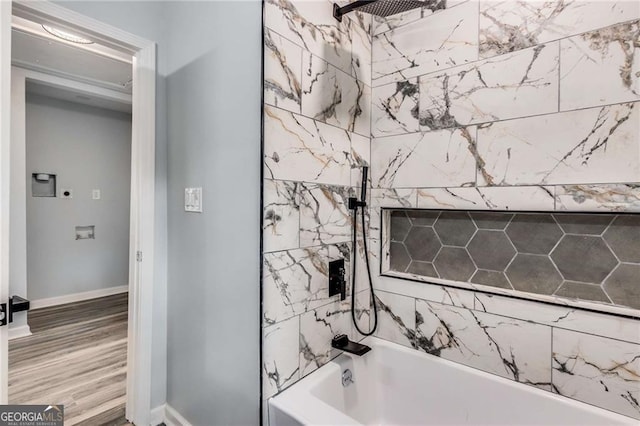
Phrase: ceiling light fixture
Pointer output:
(63, 35)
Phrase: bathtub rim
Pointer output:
(289, 401)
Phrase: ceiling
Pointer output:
(35, 49)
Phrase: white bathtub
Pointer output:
(394, 385)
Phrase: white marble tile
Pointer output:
(361, 124)
(317, 328)
(281, 215)
(520, 84)
(363, 315)
(427, 291)
(311, 25)
(373, 244)
(282, 72)
(383, 24)
(440, 41)
(396, 318)
(362, 280)
(506, 26)
(565, 317)
(334, 97)
(394, 109)
(607, 62)
(402, 197)
(508, 347)
(598, 371)
(614, 197)
(597, 145)
(360, 33)
(280, 356)
(324, 215)
(297, 148)
(440, 158)
(296, 281)
(539, 198)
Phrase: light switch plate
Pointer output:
(193, 200)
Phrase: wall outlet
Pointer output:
(95, 194)
(193, 200)
(66, 193)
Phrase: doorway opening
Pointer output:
(71, 180)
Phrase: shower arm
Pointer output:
(338, 11)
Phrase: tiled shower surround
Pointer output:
(316, 137)
(461, 105)
(593, 257)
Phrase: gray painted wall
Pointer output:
(209, 61)
(214, 108)
(87, 148)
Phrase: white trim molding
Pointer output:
(5, 190)
(157, 415)
(142, 241)
(173, 418)
(18, 332)
(77, 297)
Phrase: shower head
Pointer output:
(377, 7)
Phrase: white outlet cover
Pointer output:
(95, 194)
(66, 193)
(193, 200)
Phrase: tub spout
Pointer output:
(342, 342)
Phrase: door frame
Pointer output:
(142, 214)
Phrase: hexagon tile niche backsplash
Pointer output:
(592, 257)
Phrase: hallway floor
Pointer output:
(77, 356)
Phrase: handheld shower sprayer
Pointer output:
(363, 189)
(354, 204)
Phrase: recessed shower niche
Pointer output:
(590, 257)
(43, 185)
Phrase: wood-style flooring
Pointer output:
(77, 356)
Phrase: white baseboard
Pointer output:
(157, 415)
(18, 332)
(173, 418)
(78, 297)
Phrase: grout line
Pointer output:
(286, 111)
(551, 362)
(524, 117)
(478, 33)
(559, 71)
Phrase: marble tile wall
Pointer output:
(317, 91)
(585, 356)
(506, 105)
(487, 97)
(458, 105)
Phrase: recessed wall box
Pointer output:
(43, 185)
(86, 232)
